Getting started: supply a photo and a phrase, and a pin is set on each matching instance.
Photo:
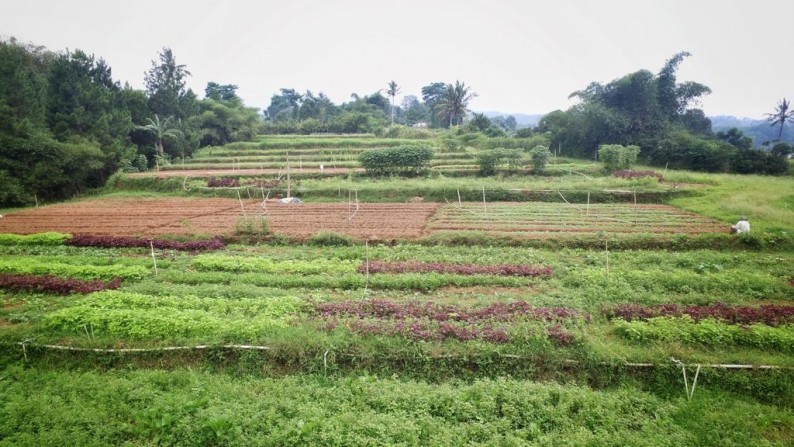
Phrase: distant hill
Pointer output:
(522, 119)
(759, 130)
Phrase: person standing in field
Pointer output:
(742, 226)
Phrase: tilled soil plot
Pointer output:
(543, 220)
(374, 221)
(177, 216)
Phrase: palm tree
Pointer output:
(781, 115)
(161, 130)
(392, 91)
(455, 102)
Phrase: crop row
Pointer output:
(90, 240)
(50, 238)
(431, 321)
(348, 281)
(264, 265)
(54, 284)
(768, 314)
(447, 312)
(32, 266)
(139, 316)
(458, 269)
(708, 332)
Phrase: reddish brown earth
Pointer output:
(180, 216)
(373, 221)
(237, 172)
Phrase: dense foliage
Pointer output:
(66, 125)
(396, 160)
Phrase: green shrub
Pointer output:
(539, 155)
(397, 160)
(330, 238)
(491, 159)
(616, 156)
(252, 226)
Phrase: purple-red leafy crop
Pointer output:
(223, 182)
(54, 284)
(91, 240)
(430, 321)
(458, 269)
(769, 314)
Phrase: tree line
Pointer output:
(66, 125)
(658, 114)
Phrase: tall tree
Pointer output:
(780, 116)
(455, 103)
(432, 95)
(218, 92)
(165, 86)
(284, 106)
(392, 91)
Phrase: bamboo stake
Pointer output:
(460, 205)
(606, 249)
(154, 259)
(366, 281)
(484, 206)
(241, 203)
(588, 201)
(289, 184)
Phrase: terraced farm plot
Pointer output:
(542, 220)
(114, 216)
(151, 217)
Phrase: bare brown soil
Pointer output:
(180, 216)
(237, 172)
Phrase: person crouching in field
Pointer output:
(742, 226)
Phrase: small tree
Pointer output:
(491, 159)
(616, 156)
(161, 130)
(539, 155)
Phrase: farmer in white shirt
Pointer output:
(742, 226)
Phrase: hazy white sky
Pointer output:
(519, 56)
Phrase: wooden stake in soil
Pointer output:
(154, 259)
(366, 282)
(484, 206)
(588, 201)
(241, 203)
(460, 205)
(36, 199)
(289, 184)
(606, 249)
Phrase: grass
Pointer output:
(193, 407)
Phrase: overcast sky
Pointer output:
(519, 56)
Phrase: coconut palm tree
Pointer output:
(161, 130)
(392, 91)
(781, 115)
(455, 103)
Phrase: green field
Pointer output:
(492, 333)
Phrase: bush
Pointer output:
(397, 160)
(616, 156)
(490, 160)
(330, 238)
(539, 155)
(252, 226)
